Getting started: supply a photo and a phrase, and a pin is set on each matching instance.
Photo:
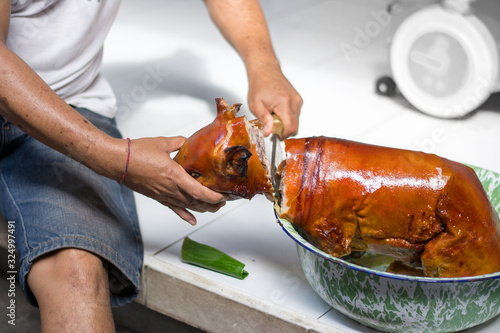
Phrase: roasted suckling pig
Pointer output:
(228, 155)
(429, 213)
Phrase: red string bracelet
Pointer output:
(126, 165)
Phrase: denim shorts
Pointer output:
(56, 202)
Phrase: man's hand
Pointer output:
(270, 92)
(152, 172)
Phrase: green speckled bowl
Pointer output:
(400, 303)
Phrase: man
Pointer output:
(66, 174)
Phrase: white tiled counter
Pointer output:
(175, 44)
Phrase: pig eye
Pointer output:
(195, 174)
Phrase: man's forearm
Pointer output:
(29, 103)
(244, 26)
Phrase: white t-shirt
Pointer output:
(62, 40)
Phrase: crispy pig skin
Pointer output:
(224, 155)
(419, 208)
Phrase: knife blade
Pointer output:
(276, 136)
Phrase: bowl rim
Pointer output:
(308, 246)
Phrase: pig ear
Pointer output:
(236, 160)
(221, 105)
(224, 108)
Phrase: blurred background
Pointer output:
(407, 74)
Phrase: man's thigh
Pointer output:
(56, 202)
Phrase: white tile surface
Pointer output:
(161, 227)
(175, 43)
(336, 319)
(251, 235)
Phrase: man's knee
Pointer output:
(69, 271)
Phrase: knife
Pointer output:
(277, 133)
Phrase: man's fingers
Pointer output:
(201, 206)
(286, 108)
(264, 115)
(187, 216)
(174, 143)
(290, 124)
(194, 189)
(194, 196)
(184, 214)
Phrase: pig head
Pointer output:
(228, 155)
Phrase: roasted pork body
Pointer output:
(421, 209)
(347, 197)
